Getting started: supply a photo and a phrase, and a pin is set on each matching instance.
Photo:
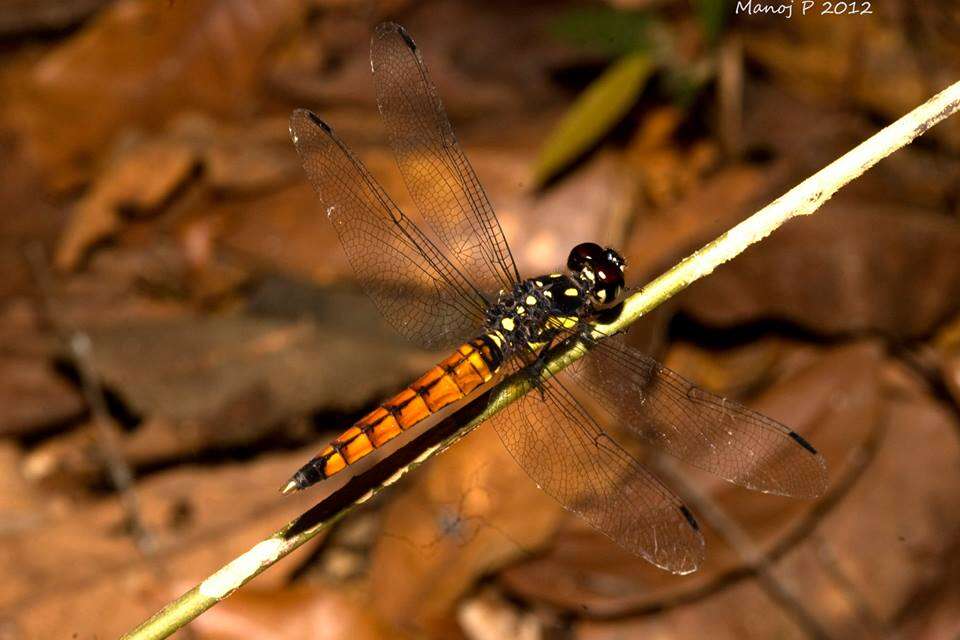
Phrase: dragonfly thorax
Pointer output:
(536, 308)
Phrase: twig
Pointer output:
(873, 624)
(802, 200)
(107, 436)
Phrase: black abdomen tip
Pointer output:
(310, 473)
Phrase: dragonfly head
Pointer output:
(598, 270)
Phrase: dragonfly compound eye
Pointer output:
(601, 270)
(608, 277)
(584, 254)
(608, 283)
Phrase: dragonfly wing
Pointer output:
(563, 449)
(437, 173)
(704, 430)
(416, 288)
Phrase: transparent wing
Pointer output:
(704, 430)
(562, 448)
(437, 173)
(417, 289)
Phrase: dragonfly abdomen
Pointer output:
(473, 364)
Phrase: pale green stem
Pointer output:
(802, 200)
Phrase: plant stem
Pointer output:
(802, 200)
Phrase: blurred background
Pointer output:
(179, 329)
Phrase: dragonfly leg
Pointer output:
(535, 371)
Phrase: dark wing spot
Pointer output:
(317, 121)
(803, 443)
(689, 516)
(406, 38)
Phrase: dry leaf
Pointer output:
(842, 271)
(873, 63)
(27, 17)
(33, 398)
(221, 382)
(90, 562)
(134, 65)
(139, 181)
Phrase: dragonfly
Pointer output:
(452, 283)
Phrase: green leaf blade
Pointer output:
(595, 112)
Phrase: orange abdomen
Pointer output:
(470, 366)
